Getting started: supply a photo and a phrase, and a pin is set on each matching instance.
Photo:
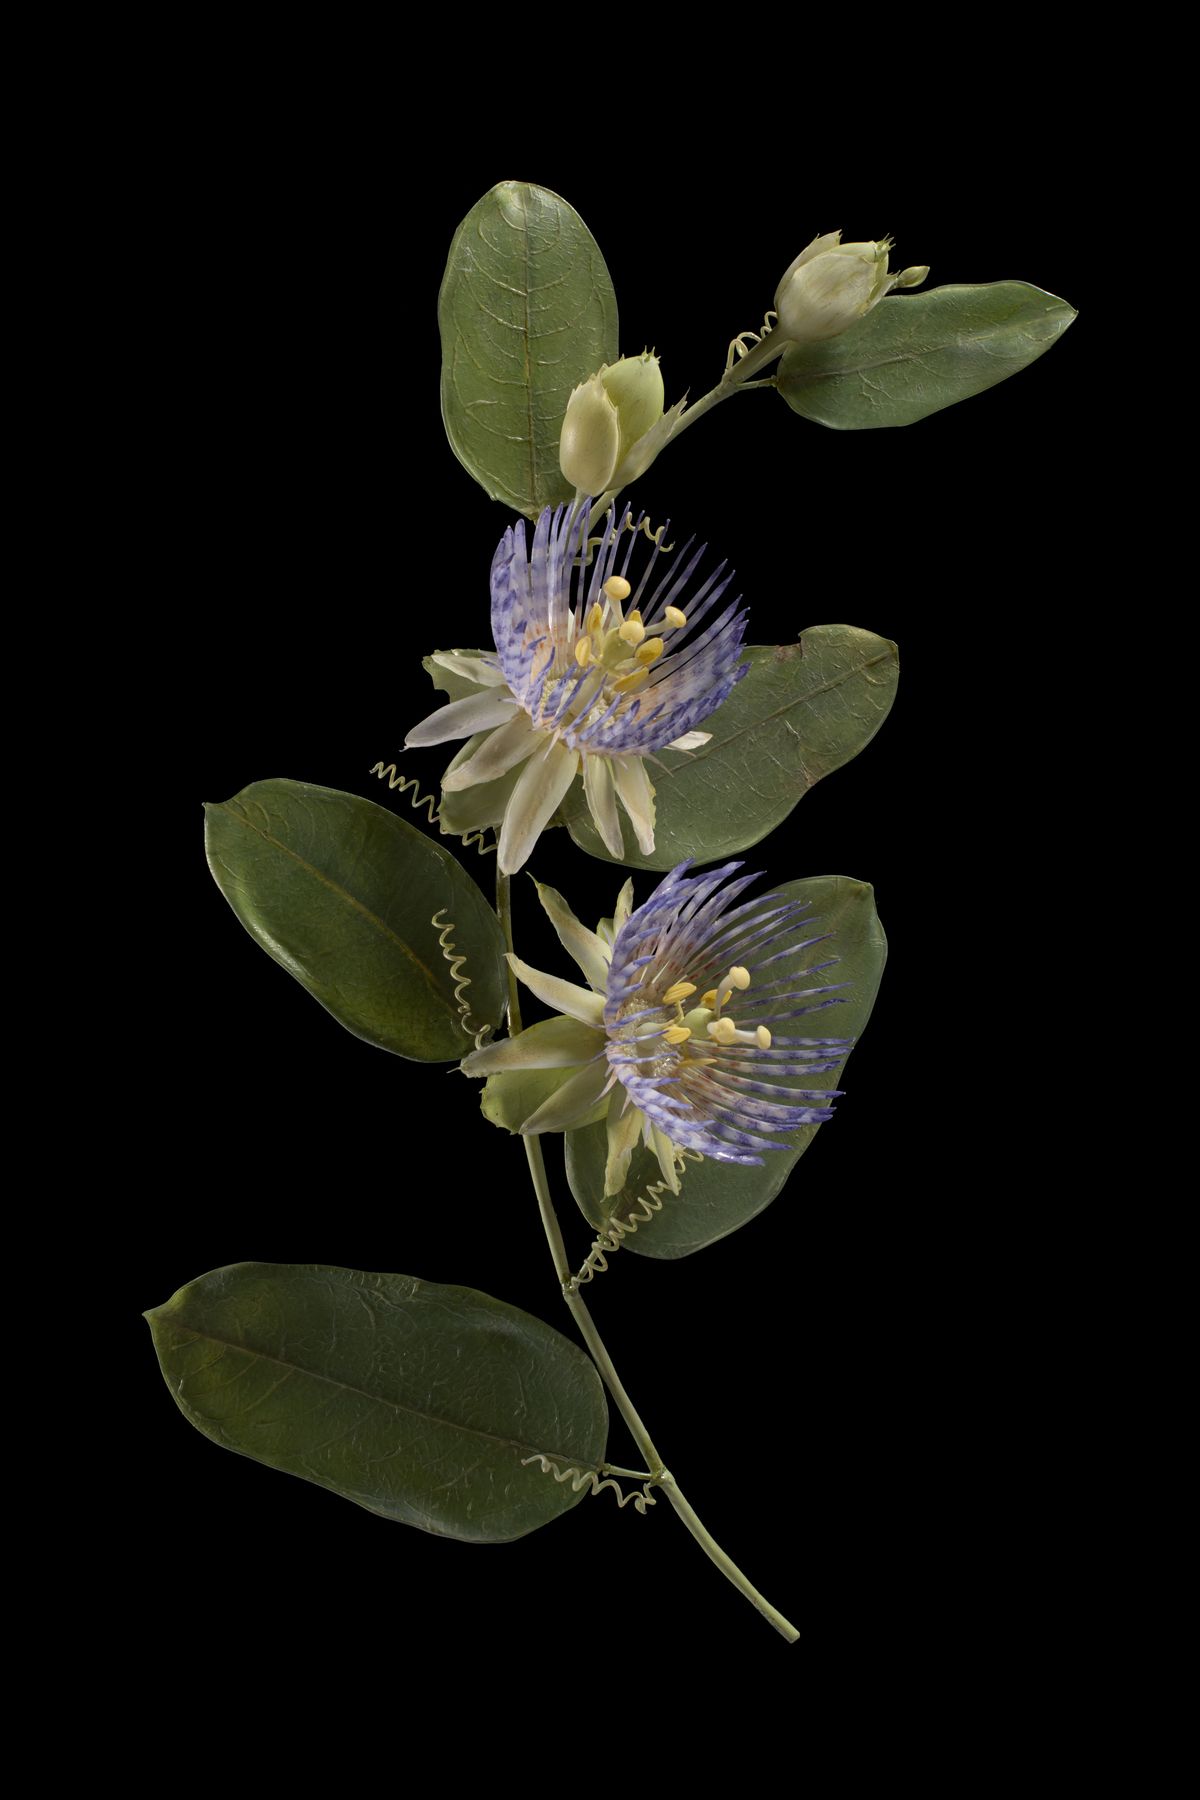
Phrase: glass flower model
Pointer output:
(683, 1036)
(589, 673)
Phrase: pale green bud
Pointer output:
(590, 442)
(832, 285)
(912, 277)
(635, 387)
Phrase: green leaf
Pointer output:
(414, 1400)
(342, 894)
(803, 710)
(915, 354)
(716, 1198)
(527, 311)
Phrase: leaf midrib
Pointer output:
(348, 1387)
(963, 339)
(887, 655)
(344, 894)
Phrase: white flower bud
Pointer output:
(635, 387)
(832, 285)
(589, 444)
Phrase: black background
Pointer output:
(829, 1383)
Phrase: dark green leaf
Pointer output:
(915, 354)
(803, 710)
(527, 312)
(716, 1198)
(414, 1400)
(342, 894)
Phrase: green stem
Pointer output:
(735, 378)
(660, 1474)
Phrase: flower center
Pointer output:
(595, 669)
(651, 1034)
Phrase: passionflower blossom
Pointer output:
(591, 674)
(684, 1035)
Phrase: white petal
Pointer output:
(691, 740)
(637, 797)
(588, 950)
(544, 781)
(472, 667)
(570, 1104)
(563, 996)
(461, 718)
(601, 797)
(502, 751)
(623, 1128)
(665, 1152)
(624, 905)
(558, 1043)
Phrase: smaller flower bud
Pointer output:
(635, 387)
(590, 442)
(832, 285)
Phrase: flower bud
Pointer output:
(635, 387)
(832, 285)
(590, 442)
(615, 425)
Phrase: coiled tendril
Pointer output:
(588, 1478)
(609, 1241)
(745, 341)
(417, 800)
(461, 982)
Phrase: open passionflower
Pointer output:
(684, 1035)
(591, 674)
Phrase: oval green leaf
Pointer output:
(527, 311)
(915, 354)
(802, 711)
(717, 1198)
(342, 895)
(415, 1400)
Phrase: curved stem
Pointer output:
(660, 1474)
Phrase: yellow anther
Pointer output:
(631, 632)
(678, 990)
(677, 1034)
(636, 616)
(650, 651)
(583, 652)
(627, 682)
(595, 617)
(617, 588)
(762, 1037)
(739, 977)
(709, 999)
(674, 617)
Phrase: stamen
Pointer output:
(627, 682)
(583, 652)
(739, 977)
(678, 990)
(651, 650)
(763, 1037)
(631, 632)
(674, 617)
(677, 1034)
(595, 617)
(617, 588)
